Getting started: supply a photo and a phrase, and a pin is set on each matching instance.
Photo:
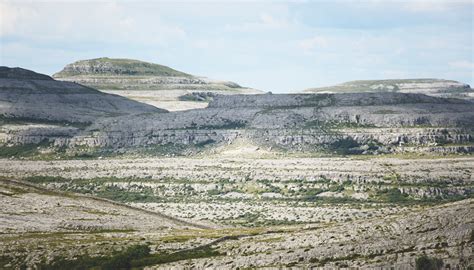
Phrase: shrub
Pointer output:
(426, 263)
(343, 146)
(392, 195)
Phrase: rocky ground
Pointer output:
(39, 227)
(390, 242)
(248, 191)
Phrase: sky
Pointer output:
(278, 46)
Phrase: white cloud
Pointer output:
(85, 21)
(314, 42)
(11, 15)
(274, 16)
(433, 5)
(463, 64)
(268, 20)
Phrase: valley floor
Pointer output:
(241, 212)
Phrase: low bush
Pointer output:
(427, 263)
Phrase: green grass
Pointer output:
(137, 256)
(43, 179)
(24, 150)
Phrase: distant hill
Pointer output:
(154, 84)
(433, 87)
(109, 66)
(25, 94)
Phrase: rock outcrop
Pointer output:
(301, 121)
(353, 123)
(432, 87)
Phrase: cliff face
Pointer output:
(150, 83)
(432, 87)
(388, 120)
(349, 123)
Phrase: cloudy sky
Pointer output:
(279, 46)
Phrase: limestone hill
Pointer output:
(433, 87)
(108, 66)
(150, 83)
(26, 95)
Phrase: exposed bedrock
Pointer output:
(384, 120)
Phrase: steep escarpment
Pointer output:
(342, 123)
(432, 87)
(154, 84)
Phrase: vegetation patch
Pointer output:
(24, 150)
(428, 263)
(136, 256)
(344, 146)
(42, 179)
(198, 96)
(30, 120)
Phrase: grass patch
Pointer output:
(136, 256)
(24, 150)
(29, 120)
(42, 179)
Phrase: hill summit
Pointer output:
(150, 83)
(117, 66)
(21, 74)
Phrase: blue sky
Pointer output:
(270, 45)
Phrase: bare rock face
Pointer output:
(357, 122)
(28, 95)
(432, 87)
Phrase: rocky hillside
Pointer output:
(368, 120)
(151, 83)
(26, 95)
(350, 123)
(38, 224)
(433, 87)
